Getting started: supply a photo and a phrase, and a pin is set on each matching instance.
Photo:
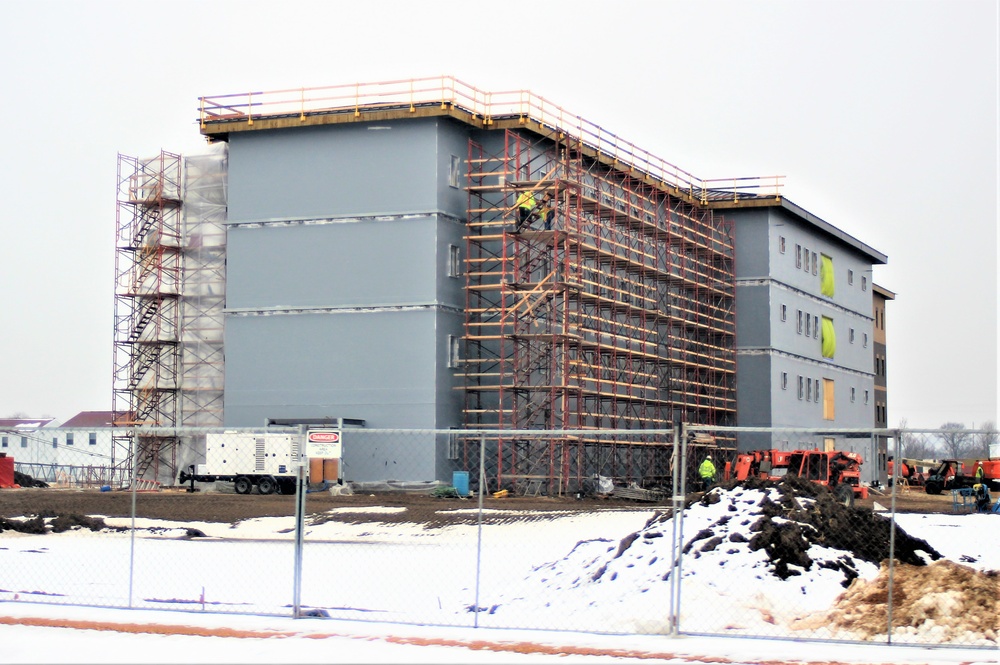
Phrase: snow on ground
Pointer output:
(604, 572)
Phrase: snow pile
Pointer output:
(758, 558)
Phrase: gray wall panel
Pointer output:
(373, 366)
(333, 170)
(333, 265)
(753, 316)
(453, 140)
(751, 226)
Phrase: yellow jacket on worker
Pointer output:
(526, 200)
(707, 469)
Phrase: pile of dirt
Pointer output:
(24, 480)
(808, 513)
(47, 522)
(942, 602)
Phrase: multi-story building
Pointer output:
(368, 269)
(805, 330)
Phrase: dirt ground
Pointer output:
(210, 506)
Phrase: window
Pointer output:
(815, 326)
(781, 244)
(866, 397)
(815, 263)
(829, 341)
(864, 283)
(69, 438)
(55, 442)
(455, 171)
(92, 438)
(809, 390)
(784, 385)
(801, 387)
(850, 277)
(800, 322)
(3, 442)
(808, 325)
(24, 442)
(828, 401)
(454, 261)
(853, 393)
(850, 336)
(805, 259)
(798, 256)
(826, 275)
(454, 357)
(864, 340)
(784, 312)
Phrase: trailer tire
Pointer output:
(845, 495)
(933, 487)
(267, 485)
(243, 485)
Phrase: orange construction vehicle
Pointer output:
(951, 474)
(907, 471)
(839, 471)
(991, 473)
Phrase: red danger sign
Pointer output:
(324, 437)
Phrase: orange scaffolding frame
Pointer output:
(147, 288)
(619, 317)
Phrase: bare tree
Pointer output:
(986, 438)
(914, 445)
(958, 442)
(19, 415)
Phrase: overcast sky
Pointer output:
(882, 116)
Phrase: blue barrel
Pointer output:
(460, 479)
(105, 488)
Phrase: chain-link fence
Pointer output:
(796, 534)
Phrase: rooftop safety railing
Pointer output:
(447, 91)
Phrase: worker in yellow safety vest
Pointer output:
(525, 210)
(547, 210)
(707, 473)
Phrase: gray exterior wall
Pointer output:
(772, 353)
(340, 291)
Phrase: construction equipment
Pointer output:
(910, 471)
(839, 471)
(267, 461)
(949, 474)
(991, 473)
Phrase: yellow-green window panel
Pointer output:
(829, 338)
(826, 275)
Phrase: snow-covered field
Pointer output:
(603, 572)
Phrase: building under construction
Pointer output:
(354, 252)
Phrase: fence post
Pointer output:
(896, 455)
(300, 520)
(677, 511)
(131, 554)
(479, 527)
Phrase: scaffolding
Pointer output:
(169, 306)
(146, 319)
(621, 316)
